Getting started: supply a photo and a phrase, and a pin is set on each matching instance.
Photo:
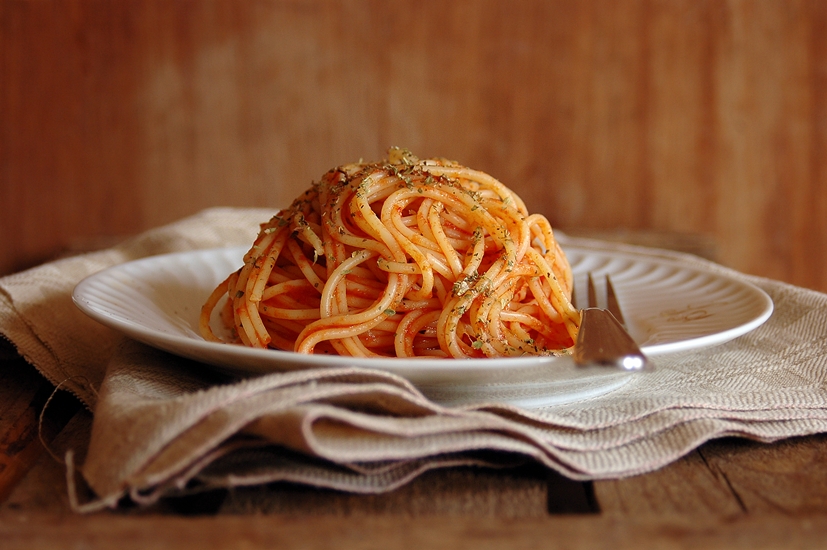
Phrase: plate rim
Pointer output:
(199, 348)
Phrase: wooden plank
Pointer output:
(34, 532)
(754, 174)
(19, 383)
(727, 478)
(23, 397)
(22, 394)
(68, 144)
(687, 486)
(788, 477)
(42, 489)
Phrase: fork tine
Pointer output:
(592, 292)
(611, 301)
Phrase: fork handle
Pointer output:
(602, 340)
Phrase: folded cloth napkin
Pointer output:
(163, 424)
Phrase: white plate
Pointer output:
(669, 306)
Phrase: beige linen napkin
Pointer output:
(163, 424)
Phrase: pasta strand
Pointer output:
(402, 258)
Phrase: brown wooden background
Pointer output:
(698, 117)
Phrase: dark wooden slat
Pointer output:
(24, 395)
(42, 490)
(19, 383)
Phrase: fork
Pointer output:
(602, 339)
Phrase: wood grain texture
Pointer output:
(703, 117)
(43, 489)
(788, 477)
(728, 478)
(31, 413)
(685, 487)
(392, 533)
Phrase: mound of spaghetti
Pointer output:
(402, 258)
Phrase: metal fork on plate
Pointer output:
(602, 339)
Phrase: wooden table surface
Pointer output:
(729, 493)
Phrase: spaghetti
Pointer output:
(402, 258)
